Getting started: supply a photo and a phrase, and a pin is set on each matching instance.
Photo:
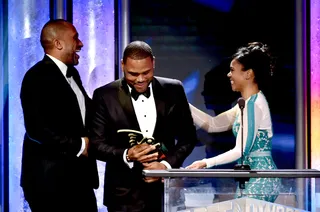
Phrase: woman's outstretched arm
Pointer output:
(220, 123)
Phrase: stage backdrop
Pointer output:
(25, 20)
(194, 45)
(315, 85)
(94, 20)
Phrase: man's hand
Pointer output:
(153, 166)
(140, 153)
(85, 151)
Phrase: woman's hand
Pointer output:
(197, 165)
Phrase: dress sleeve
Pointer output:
(220, 123)
(252, 117)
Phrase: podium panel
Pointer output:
(219, 190)
(244, 204)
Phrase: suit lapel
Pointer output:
(65, 87)
(159, 98)
(126, 104)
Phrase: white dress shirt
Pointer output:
(146, 113)
(81, 101)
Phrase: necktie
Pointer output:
(135, 94)
(70, 72)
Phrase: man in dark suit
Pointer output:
(57, 172)
(161, 111)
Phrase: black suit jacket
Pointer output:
(54, 128)
(114, 111)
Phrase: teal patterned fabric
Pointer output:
(257, 154)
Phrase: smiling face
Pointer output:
(238, 76)
(70, 45)
(138, 73)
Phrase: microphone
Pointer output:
(242, 104)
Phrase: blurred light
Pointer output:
(220, 5)
(25, 20)
(315, 85)
(94, 20)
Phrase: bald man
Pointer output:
(57, 172)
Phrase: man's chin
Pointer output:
(140, 90)
(75, 59)
(75, 62)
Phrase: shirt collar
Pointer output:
(63, 67)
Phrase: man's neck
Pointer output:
(52, 54)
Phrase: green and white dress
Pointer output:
(257, 143)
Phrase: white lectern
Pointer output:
(213, 190)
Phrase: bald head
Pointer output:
(60, 39)
(52, 30)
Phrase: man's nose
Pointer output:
(140, 78)
(80, 43)
(229, 74)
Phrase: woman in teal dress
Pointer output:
(250, 68)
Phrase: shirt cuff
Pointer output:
(83, 146)
(130, 164)
(166, 164)
(208, 164)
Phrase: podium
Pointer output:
(215, 190)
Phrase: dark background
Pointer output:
(192, 42)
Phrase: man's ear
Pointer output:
(154, 62)
(57, 44)
(122, 65)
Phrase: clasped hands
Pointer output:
(141, 154)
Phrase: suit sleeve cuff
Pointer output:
(166, 164)
(129, 164)
(83, 146)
